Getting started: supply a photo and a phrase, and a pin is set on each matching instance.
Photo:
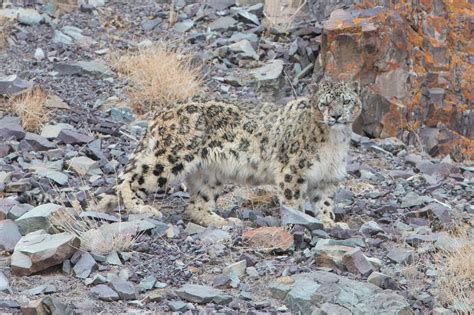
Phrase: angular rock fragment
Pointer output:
(9, 235)
(202, 294)
(293, 216)
(10, 127)
(269, 239)
(104, 293)
(13, 85)
(38, 218)
(355, 262)
(38, 251)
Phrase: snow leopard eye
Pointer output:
(346, 102)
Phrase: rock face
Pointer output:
(306, 293)
(38, 251)
(399, 48)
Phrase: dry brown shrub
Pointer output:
(92, 238)
(281, 14)
(5, 27)
(158, 76)
(455, 280)
(30, 107)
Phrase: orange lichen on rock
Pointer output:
(416, 55)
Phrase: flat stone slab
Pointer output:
(201, 294)
(306, 293)
(37, 218)
(38, 251)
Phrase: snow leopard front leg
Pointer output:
(321, 197)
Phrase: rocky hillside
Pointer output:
(78, 86)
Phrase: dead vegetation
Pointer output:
(455, 279)
(281, 14)
(158, 76)
(5, 27)
(31, 108)
(93, 238)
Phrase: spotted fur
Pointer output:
(301, 148)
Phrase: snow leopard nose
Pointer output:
(336, 116)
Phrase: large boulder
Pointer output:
(414, 64)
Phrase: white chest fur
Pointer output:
(330, 163)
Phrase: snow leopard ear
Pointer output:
(355, 86)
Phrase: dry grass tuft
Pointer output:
(281, 14)
(455, 280)
(93, 239)
(158, 76)
(30, 107)
(5, 27)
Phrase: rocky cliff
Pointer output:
(415, 61)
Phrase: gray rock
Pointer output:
(418, 239)
(96, 279)
(192, 228)
(401, 256)
(104, 293)
(72, 137)
(211, 236)
(184, 26)
(121, 114)
(83, 166)
(307, 292)
(12, 85)
(61, 38)
(9, 304)
(18, 210)
(178, 306)
(371, 228)
(113, 259)
(125, 289)
(38, 251)
(243, 49)
(10, 127)
(327, 255)
(252, 272)
(201, 294)
(293, 216)
(94, 68)
(236, 269)
(53, 131)
(29, 16)
(4, 284)
(38, 218)
(39, 54)
(147, 284)
(222, 281)
(237, 37)
(6, 204)
(382, 281)
(270, 74)
(387, 302)
(84, 266)
(413, 199)
(19, 186)
(222, 24)
(245, 16)
(57, 177)
(38, 143)
(42, 289)
(65, 68)
(356, 263)
(148, 25)
(9, 235)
